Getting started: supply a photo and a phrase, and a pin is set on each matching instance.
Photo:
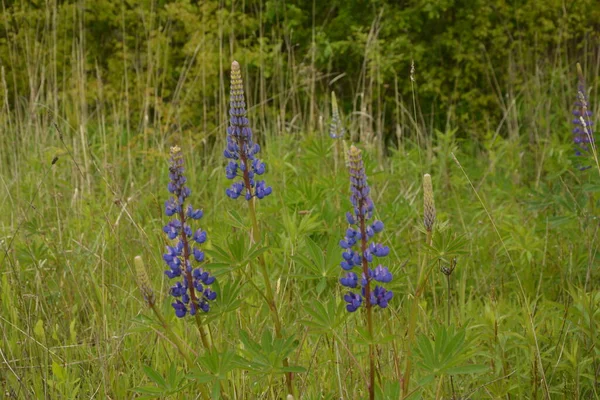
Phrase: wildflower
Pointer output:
(241, 150)
(336, 129)
(428, 203)
(358, 237)
(583, 133)
(192, 292)
(143, 281)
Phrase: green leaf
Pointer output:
(150, 390)
(154, 376)
(39, 329)
(467, 369)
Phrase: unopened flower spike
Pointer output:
(192, 291)
(241, 150)
(336, 129)
(428, 203)
(583, 132)
(143, 281)
(359, 252)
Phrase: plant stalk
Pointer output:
(269, 296)
(369, 306)
(412, 322)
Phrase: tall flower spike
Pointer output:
(192, 292)
(358, 253)
(583, 133)
(428, 203)
(336, 129)
(241, 150)
(143, 281)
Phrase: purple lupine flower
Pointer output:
(191, 292)
(358, 252)
(241, 150)
(583, 132)
(381, 296)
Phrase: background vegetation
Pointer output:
(107, 86)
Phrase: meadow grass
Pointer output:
(83, 188)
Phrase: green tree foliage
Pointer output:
(164, 62)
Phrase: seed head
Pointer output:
(428, 203)
(143, 281)
(336, 129)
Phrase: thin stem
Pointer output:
(412, 322)
(174, 338)
(337, 367)
(203, 336)
(190, 280)
(269, 296)
(448, 324)
(263, 269)
(448, 316)
(365, 268)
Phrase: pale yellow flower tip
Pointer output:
(235, 65)
(143, 281)
(428, 203)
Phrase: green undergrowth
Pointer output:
(524, 300)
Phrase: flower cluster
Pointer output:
(583, 133)
(192, 292)
(241, 150)
(336, 129)
(358, 252)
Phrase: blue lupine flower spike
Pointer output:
(192, 292)
(358, 252)
(241, 150)
(583, 133)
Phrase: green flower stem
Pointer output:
(201, 328)
(369, 306)
(269, 296)
(172, 336)
(412, 322)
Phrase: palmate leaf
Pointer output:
(215, 367)
(173, 383)
(325, 318)
(267, 357)
(446, 246)
(235, 255)
(228, 299)
(316, 263)
(446, 353)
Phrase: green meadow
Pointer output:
(496, 285)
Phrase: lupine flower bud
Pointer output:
(241, 150)
(583, 133)
(336, 129)
(143, 281)
(428, 203)
(192, 292)
(356, 240)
